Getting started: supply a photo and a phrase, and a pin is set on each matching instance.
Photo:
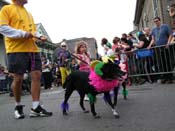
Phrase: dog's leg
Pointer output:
(92, 100)
(108, 98)
(68, 93)
(82, 102)
(116, 89)
(93, 111)
(115, 113)
(124, 91)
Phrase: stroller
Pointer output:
(26, 85)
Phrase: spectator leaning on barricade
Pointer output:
(106, 46)
(145, 61)
(116, 42)
(124, 45)
(129, 41)
(162, 35)
(172, 15)
(147, 32)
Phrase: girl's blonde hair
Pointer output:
(79, 45)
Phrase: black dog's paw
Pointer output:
(115, 104)
(125, 97)
(85, 111)
(97, 117)
(117, 116)
(65, 113)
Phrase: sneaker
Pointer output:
(39, 112)
(19, 112)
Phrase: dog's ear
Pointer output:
(110, 61)
(106, 59)
(98, 68)
(94, 63)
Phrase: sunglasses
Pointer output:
(63, 46)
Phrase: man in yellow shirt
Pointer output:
(17, 25)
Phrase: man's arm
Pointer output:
(169, 39)
(170, 33)
(171, 12)
(14, 33)
(11, 32)
(152, 42)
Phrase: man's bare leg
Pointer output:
(37, 109)
(35, 85)
(17, 86)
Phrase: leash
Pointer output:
(64, 50)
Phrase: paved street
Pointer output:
(148, 108)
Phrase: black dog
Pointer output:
(80, 81)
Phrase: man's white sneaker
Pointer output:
(39, 112)
(19, 112)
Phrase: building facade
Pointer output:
(146, 10)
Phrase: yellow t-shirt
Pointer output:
(19, 18)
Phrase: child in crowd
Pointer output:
(81, 51)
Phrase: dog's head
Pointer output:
(104, 76)
(108, 70)
(111, 71)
